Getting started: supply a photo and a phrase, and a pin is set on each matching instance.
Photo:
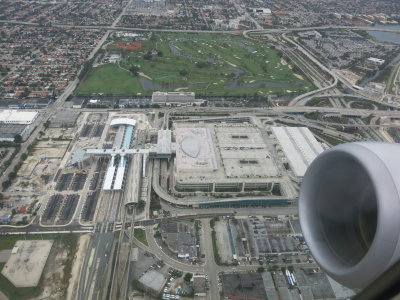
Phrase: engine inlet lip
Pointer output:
(383, 247)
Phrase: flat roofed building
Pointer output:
(195, 150)
(299, 146)
(199, 284)
(18, 117)
(9, 131)
(26, 262)
(377, 61)
(163, 148)
(222, 158)
(173, 98)
(153, 280)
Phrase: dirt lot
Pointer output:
(57, 272)
(51, 149)
(224, 249)
(59, 133)
(77, 265)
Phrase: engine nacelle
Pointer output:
(349, 208)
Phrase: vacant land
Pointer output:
(222, 65)
(140, 235)
(54, 280)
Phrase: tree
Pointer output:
(188, 277)
(18, 139)
(260, 269)
(141, 204)
(6, 184)
(201, 64)
(46, 124)
(134, 70)
(183, 73)
(148, 56)
(160, 54)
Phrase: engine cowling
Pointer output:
(349, 208)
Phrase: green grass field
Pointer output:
(111, 80)
(210, 65)
(140, 234)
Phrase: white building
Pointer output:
(377, 61)
(299, 145)
(165, 98)
(265, 11)
(18, 117)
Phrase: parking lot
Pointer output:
(258, 237)
(71, 181)
(59, 209)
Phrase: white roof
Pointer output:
(299, 145)
(191, 146)
(377, 60)
(109, 177)
(116, 151)
(17, 116)
(199, 157)
(164, 141)
(119, 178)
(123, 121)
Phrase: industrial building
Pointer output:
(299, 146)
(18, 117)
(222, 158)
(9, 131)
(180, 238)
(177, 98)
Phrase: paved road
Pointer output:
(94, 266)
(271, 30)
(51, 110)
(187, 201)
(209, 267)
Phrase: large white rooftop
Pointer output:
(164, 142)
(195, 150)
(222, 153)
(123, 121)
(299, 145)
(17, 116)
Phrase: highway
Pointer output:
(188, 201)
(268, 30)
(91, 284)
(97, 264)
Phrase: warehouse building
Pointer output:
(9, 131)
(18, 117)
(299, 145)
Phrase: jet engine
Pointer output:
(349, 208)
